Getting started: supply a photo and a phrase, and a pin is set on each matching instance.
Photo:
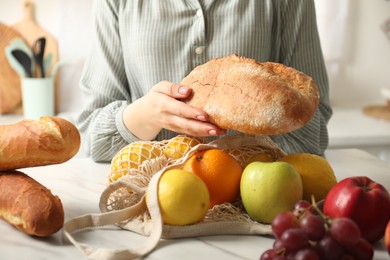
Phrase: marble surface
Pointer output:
(350, 127)
(79, 183)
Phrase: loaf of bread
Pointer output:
(29, 206)
(29, 143)
(241, 94)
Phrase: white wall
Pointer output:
(363, 53)
(365, 56)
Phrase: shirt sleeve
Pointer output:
(300, 48)
(105, 87)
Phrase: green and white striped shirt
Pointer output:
(138, 43)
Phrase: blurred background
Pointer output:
(354, 41)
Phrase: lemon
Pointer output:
(316, 173)
(132, 156)
(178, 146)
(183, 197)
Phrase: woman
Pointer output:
(143, 48)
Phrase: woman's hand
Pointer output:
(162, 108)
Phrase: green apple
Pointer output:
(268, 188)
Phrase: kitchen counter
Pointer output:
(349, 127)
(79, 183)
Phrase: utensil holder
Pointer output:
(38, 97)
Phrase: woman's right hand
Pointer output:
(162, 108)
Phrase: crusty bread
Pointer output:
(251, 97)
(29, 206)
(29, 143)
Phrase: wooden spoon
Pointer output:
(39, 51)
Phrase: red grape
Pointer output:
(313, 225)
(283, 221)
(278, 244)
(268, 254)
(301, 208)
(302, 204)
(328, 248)
(306, 254)
(361, 250)
(307, 234)
(294, 239)
(345, 231)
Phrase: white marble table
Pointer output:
(349, 127)
(79, 183)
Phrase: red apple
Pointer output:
(364, 201)
(387, 237)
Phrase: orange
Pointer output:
(220, 171)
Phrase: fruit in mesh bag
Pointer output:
(316, 173)
(183, 197)
(264, 156)
(268, 188)
(220, 171)
(132, 156)
(178, 146)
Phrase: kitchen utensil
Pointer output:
(18, 68)
(30, 30)
(10, 85)
(24, 60)
(18, 43)
(38, 51)
(47, 62)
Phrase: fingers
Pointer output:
(182, 118)
(193, 127)
(177, 116)
(172, 106)
(181, 109)
(185, 119)
(174, 90)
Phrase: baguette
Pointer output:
(241, 94)
(29, 206)
(28, 143)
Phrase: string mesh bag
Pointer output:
(134, 182)
(136, 163)
(130, 199)
(137, 155)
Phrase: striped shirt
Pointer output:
(139, 43)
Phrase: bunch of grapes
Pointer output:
(307, 234)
